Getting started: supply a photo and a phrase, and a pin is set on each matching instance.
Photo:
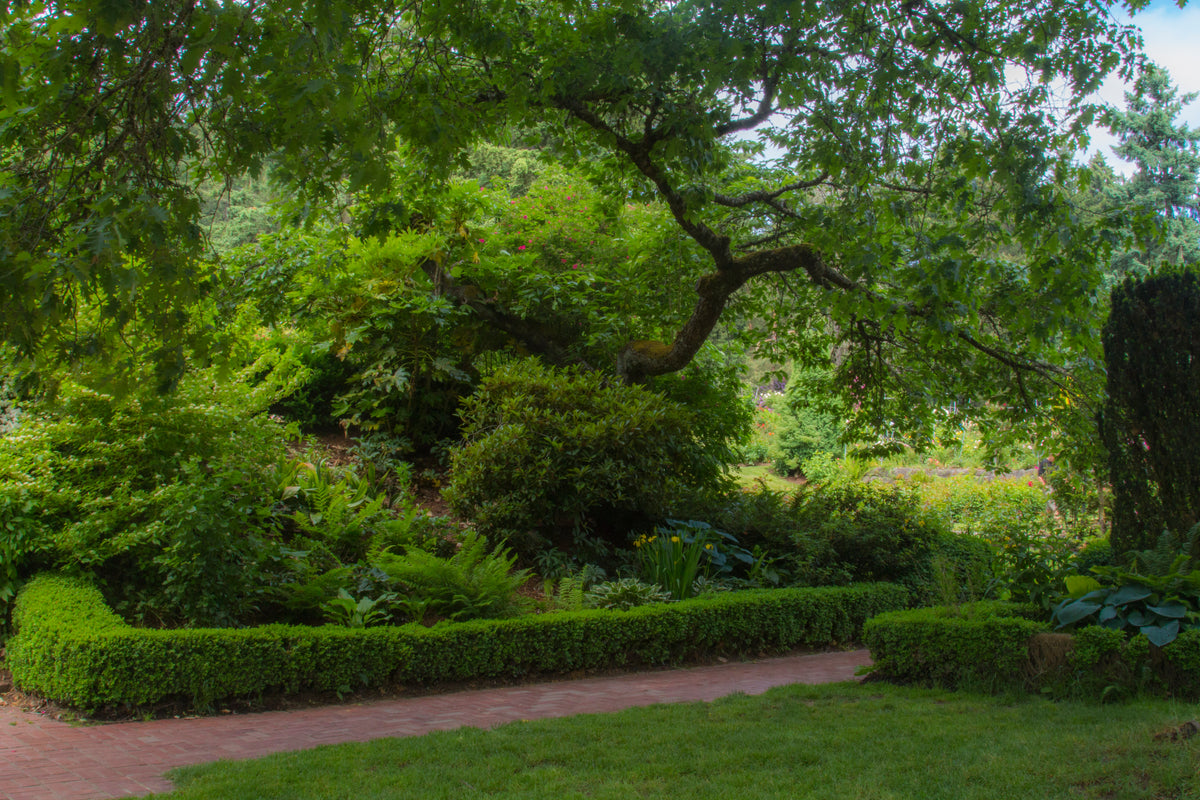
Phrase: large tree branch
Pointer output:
(766, 107)
(644, 359)
(638, 153)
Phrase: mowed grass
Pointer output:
(839, 741)
(748, 476)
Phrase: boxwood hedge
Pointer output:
(73, 649)
(1003, 646)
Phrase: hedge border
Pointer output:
(996, 646)
(71, 648)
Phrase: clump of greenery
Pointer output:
(805, 429)
(549, 452)
(1157, 593)
(1150, 423)
(473, 583)
(624, 594)
(851, 531)
(161, 498)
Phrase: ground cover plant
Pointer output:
(836, 741)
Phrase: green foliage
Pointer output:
(961, 569)
(473, 583)
(1151, 418)
(1032, 552)
(336, 508)
(1158, 594)
(757, 448)
(1165, 189)
(848, 531)
(548, 452)
(805, 427)
(162, 498)
(624, 594)
(71, 648)
(978, 645)
(915, 234)
(1096, 553)
(1003, 646)
(361, 613)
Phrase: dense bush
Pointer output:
(159, 497)
(71, 648)
(850, 531)
(978, 645)
(803, 428)
(1150, 423)
(1004, 646)
(549, 452)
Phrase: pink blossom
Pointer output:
(520, 247)
(481, 241)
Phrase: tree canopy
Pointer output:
(886, 179)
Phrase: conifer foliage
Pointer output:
(1151, 420)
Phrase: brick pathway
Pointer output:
(43, 759)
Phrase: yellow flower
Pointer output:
(675, 539)
(708, 546)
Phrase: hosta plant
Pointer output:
(1152, 596)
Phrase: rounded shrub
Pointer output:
(548, 453)
(851, 531)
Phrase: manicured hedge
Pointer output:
(980, 645)
(998, 646)
(71, 648)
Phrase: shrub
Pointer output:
(1004, 646)
(1096, 553)
(548, 452)
(849, 531)
(960, 569)
(804, 428)
(978, 645)
(161, 497)
(71, 648)
(1150, 423)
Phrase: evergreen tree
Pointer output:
(1164, 188)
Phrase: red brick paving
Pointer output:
(44, 759)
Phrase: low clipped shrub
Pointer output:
(1000, 646)
(549, 452)
(70, 647)
(981, 645)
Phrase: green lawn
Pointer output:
(748, 475)
(840, 742)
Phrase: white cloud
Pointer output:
(1171, 39)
